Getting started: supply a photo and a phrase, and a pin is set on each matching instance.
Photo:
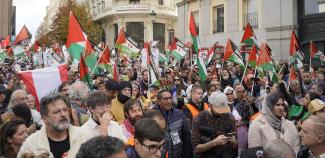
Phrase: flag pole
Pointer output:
(253, 83)
(92, 72)
(242, 78)
(221, 71)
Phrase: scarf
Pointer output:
(129, 127)
(122, 98)
(275, 122)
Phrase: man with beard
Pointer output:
(214, 130)
(144, 83)
(133, 112)
(123, 95)
(306, 80)
(57, 137)
(195, 105)
(100, 122)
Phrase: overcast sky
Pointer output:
(30, 13)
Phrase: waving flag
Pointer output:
(41, 82)
(252, 58)
(104, 60)
(126, 45)
(84, 72)
(76, 39)
(313, 50)
(21, 41)
(178, 49)
(232, 53)
(91, 56)
(197, 49)
(293, 75)
(295, 51)
(152, 70)
(249, 37)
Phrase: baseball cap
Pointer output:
(219, 102)
(316, 105)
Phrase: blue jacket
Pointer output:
(178, 133)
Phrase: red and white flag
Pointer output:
(41, 82)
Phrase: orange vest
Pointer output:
(194, 111)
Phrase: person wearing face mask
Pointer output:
(123, 95)
(271, 124)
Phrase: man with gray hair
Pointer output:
(78, 91)
(17, 97)
(277, 148)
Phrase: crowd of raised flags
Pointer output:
(92, 56)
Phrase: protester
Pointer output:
(64, 89)
(111, 87)
(133, 112)
(179, 142)
(12, 135)
(123, 95)
(100, 122)
(78, 91)
(3, 101)
(214, 130)
(102, 147)
(57, 136)
(271, 124)
(157, 116)
(36, 116)
(312, 135)
(149, 140)
(144, 82)
(277, 148)
(195, 104)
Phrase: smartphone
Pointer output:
(233, 134)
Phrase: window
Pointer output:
(161, 2)
(251, 16)
(159, 35)
(136, 31)
(171, 35)
(134, 1)
(197, 20)
(218, 19)
(103, 4)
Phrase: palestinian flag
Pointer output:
(115, 72)
(249, 37)
(76, 39)
(91, 57)
(126, 45)
(21, 41)
(178, 49)
(313, 51)
(3, 55)
(84, 72)
(105, 60)
(295, 51)
(232, 53)
(264, 60)
(252, 58)
(36, 46)
(293, 75)
(197, 49)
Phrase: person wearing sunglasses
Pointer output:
(149, 140)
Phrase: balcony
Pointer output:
(251, 18)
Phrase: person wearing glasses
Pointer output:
(178, 135)
(271, 124)
(100, 122)
(149, 140)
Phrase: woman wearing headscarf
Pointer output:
(271, 124)
(240, 110)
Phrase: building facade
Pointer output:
(7, 18)
(218, 20)
(143, 20)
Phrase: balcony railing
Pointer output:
(251, 18)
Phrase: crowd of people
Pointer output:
(228, 115)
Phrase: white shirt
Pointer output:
(36, 117)
(113, 130)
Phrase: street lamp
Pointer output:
(153, 16)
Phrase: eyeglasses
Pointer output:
(154, 148)
(177, 79)
(229, 94)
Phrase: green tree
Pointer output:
(60, 25)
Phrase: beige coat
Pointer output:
(260, 132)
(38, 143)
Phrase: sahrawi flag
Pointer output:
(249, 37)
(178, 49)
(152, 70)
(295, 52)
(211, 54)
(76, 40)
(41, 82)
(197, 49)
(126, 45)
(232, 53)
(21, 42)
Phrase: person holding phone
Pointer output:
(214, 130)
